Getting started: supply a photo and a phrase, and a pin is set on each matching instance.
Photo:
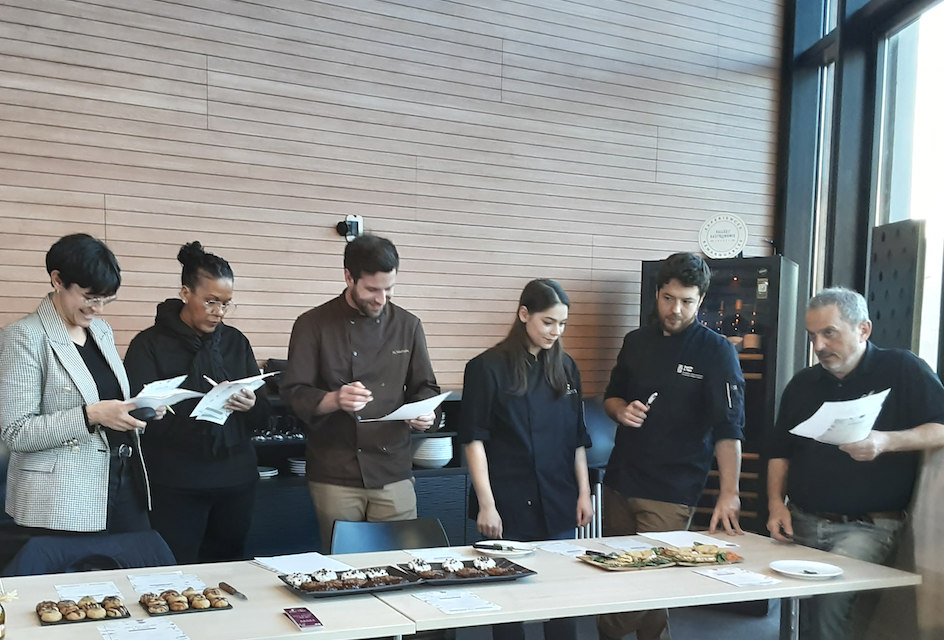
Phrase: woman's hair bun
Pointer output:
(191, 253)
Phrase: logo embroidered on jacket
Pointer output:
(397, 352)
(688, 371)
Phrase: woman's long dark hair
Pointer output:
(538, 296)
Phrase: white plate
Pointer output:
(521, 549)
(806, 569)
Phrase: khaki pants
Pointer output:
(624, 516)
(395, 501)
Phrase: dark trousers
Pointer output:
(556, 629)
(204, 525)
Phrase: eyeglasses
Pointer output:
(218, 308)
(88, 303)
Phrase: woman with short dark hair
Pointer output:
(75, 462)
(203, 475)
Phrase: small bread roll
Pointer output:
(219, 603)
(178, 605)
(87, 600)
(94, 611)
(189, 592)
(66, 603)
(170, 593)
(199, 601)
(112, 602)
(159, 607)
(117, 612)
(75, 614)
(50, 615)
(148, 597)
(46, 604)
(213, 592)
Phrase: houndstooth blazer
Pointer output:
(58, 474)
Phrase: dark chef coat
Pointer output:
(530, 441)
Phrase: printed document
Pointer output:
(413, 410)
(843, 422)
(210, 408)
(164, 393)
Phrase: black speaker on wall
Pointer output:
(896, 272)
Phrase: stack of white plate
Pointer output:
(432, 453)
(268, 472)
(297, 466)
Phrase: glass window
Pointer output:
(823, 151)
(911, 136)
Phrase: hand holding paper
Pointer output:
(216, 406)
(413, 410)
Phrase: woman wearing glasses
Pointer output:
(203, 475)
(75, 463)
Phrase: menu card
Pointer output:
(158, 582)
(738, 577)
(627, 544)
(562, 548)
(687, 539)
(437, 554)
(301, 563)
(97, 590)
(456, 601)
(149, 629)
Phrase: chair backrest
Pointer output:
(602, 432)
(361, 537)
(69, 554)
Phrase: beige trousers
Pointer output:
(395, 501)
(624, 516)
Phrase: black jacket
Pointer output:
(181, 451)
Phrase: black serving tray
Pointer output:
(451, 578)
(409, 578)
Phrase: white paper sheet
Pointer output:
(301, 563)
(627, 544)
(436, 555)
(210, 408)
(843, 422)
(456, 601)
(738, 577)
(164, 393)
(148, 629)
(688, 539)
(413, 410)
(158, 582)
(562, 548)
(97, 590)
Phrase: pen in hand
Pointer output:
(210, 380)
(652, 398)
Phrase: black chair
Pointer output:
(71, 554)
(362, 537)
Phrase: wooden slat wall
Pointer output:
(493, 141)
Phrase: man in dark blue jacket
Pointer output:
(677, 393)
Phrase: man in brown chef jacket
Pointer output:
(356, 357)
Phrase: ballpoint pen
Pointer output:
(210, 380)
(652, 398)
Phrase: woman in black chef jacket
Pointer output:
(203, 475)
(525, 437)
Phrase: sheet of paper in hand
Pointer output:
(843, 422)
(164, 393)
(211, 407)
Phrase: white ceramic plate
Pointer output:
(521, 549)
(806, 569)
